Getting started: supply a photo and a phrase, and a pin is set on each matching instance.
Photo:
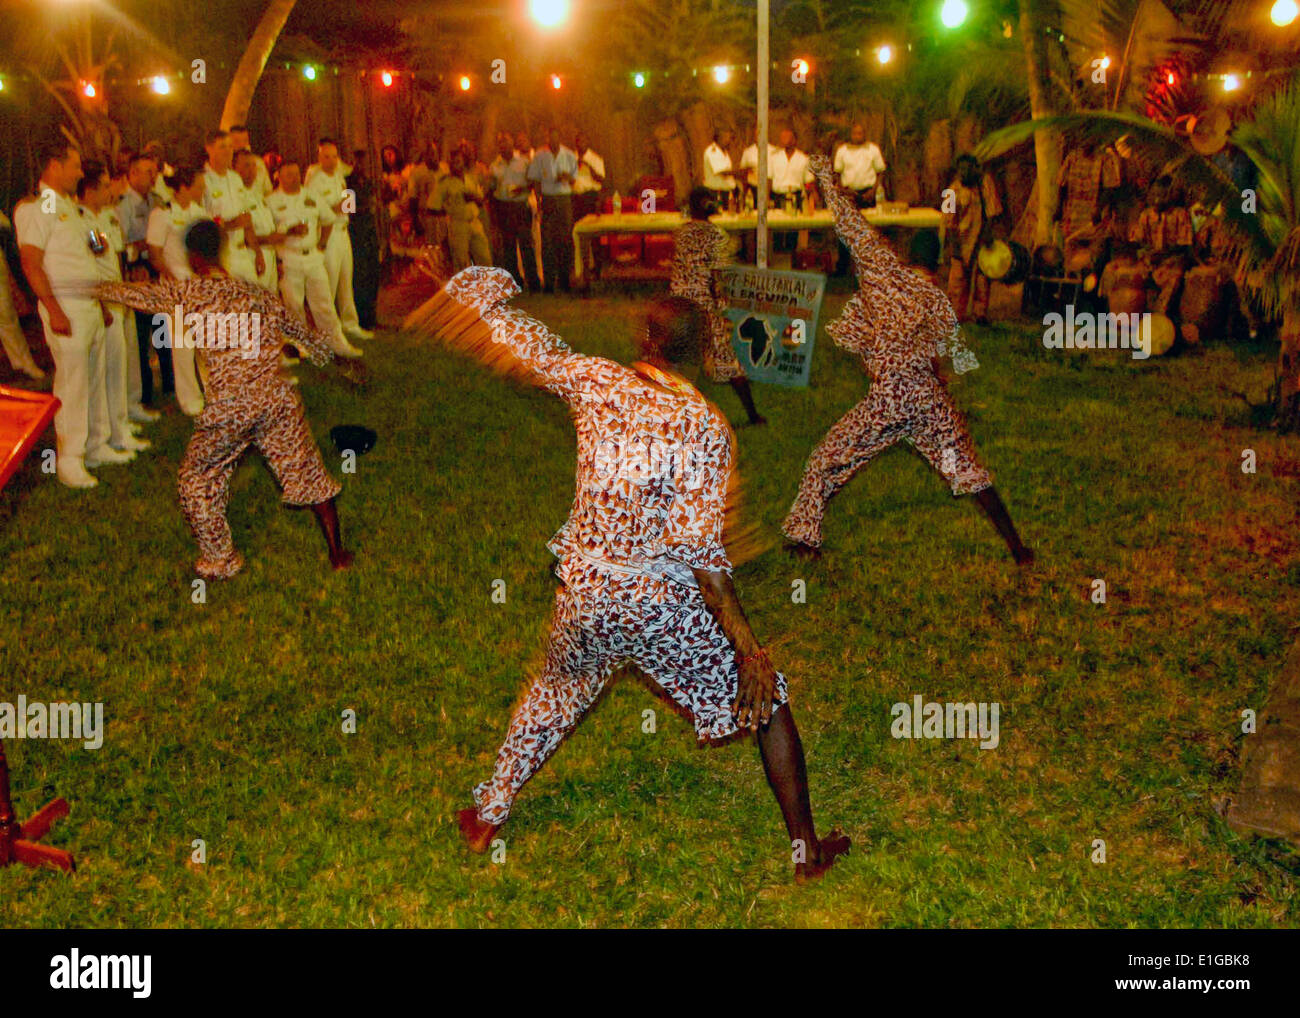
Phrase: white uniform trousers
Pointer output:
(81, 422)
(270, 277)
(134, 383)
(116, 357)
(338, 267)
(186, 367)
(304, 276)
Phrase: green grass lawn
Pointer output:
(1119, 721)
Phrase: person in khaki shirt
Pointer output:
(459, 195)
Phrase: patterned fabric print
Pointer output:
(897, 319)
(907, 401)
(697, 247)
(916, 411)
(653, 466)
(680, 646)
(1083, 177)
(249, 404)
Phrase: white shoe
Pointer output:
(348, 350)
(73, 474)
(142, 415)
(357, 332)
(107, 456)
(133, 444)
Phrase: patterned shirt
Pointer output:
(1084, 177)
(243, 311)
(698, 246)
(654, 463)
(897, 321)
(1158, 231)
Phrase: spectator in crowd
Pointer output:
(970, 226)
(59, 261)
(263, 223)
(459, 195)
(239, 139)
(589, 179)
(166, 240)
(511, 214)
(223, 197)
(1089, 176)
(12, 336)
(162, 170)
(305, 227)
(326, 182)
(133, 211)
(94, 195)
(365, 243)
(860, 166)
(1164, 238)
(552, 172)
(719, 178)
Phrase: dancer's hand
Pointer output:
(755, 690)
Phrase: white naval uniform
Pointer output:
(302, 265)
(224, 198)
(327, 189)
(167, 228)
(749, 161)
(859, 165)
(263, 226)
(116, 354)
(63, 235)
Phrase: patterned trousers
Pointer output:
(678, 645)
(272, 419)
(920, 414)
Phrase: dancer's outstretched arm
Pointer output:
(160, 296)
(864, 243)
(472, 313)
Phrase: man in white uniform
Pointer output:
(166, 240)
(788, 168)
(859, 163)
(162, 170)
(223, 197)
(326, 182)
(96, 208)
(55, 245)
(133, 211)
(239, 139)
(718, 175)
(749, 164)
(246, 164)
(298, 217)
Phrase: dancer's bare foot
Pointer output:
(477, 833)
(803, 552)
(342, 559)
(1023, 556)
(834, 844)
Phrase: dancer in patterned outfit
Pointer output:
(250, 401)
(901, 325)
(698, 246)
(645, 577)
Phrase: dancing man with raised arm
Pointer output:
(644, 575)
(900, 324)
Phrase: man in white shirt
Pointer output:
(718, 175)
(224, 199)
(162, 170)
(552, 171)
(859, 164)
(326, 182)
(239, 139)
(788, 168)
(133, 211)
(749, 164)
(55, 244)
(299, 220)
(589, 179)
(263, 223)
(95, 204)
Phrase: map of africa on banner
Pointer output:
(773, 317)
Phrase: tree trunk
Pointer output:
(252, 63)
(1047, 153)
(1288, 395)
(1268, 801)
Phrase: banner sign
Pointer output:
(773, 315)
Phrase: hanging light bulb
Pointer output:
(160, 85)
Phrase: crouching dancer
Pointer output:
(250, 401)
(645, 577)
(900, 324)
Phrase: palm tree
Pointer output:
(242, 86)
(1264, 228)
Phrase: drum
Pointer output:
(1048, 261)
(1163, 333)
(995, 260)
(1126, 290)
(1020, 262)
(1204, 307)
